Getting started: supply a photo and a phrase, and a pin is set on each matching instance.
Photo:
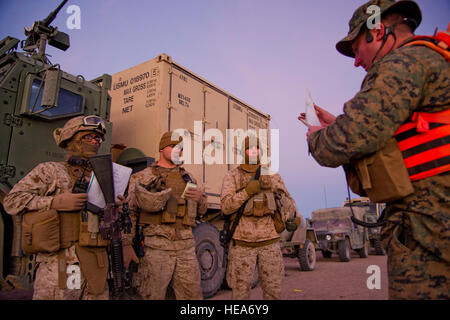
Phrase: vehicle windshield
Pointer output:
(340, 224)
(331, 224)
(320, 225)
(68, 102)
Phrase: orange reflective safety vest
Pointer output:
(425, 144)
(425, 141)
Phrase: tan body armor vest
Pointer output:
(73, 228)
(178, 210)
(263, 203)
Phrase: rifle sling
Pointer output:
(241, 209)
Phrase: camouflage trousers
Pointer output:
(418, 249)
(160, 268)
(46, 285)
(242, 261)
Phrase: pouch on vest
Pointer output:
(89, 232)
(181, 209)
(69, 228)
(258, 205)
(278, 222)
(170, 214)
(191, 214)
(383, 175)
(285, 206)
(40, 232)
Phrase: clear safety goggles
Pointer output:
(94, 121)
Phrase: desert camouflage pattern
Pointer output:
(35, 192)
(37, 189)
(169, 232)
(250, 228)
(169, 251)
(46, 284)
(406, 80)
(178, 268)
(242, 262)
(255, 239)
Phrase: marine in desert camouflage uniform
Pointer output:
(255, 241)
(49, 186)
(400, 80)
(167, 219)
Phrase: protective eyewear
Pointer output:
(90, 137)
(94, 121)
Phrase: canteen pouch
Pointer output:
(383, 176)
(40, 232)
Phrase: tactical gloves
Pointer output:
(290, 225)
(253, 187)
(194, 194)
(69, 201)
(128, 255)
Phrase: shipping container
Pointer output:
(161, 95)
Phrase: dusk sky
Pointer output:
(264, 52)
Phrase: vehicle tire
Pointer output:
(364, 251)
(209, 255)
(344, 250)
(326, 254)
(307, 256)
(379, 249)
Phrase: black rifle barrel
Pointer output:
(46, 22)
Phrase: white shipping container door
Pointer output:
(187, 107)
(216, 115)
(237, 120)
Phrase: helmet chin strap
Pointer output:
(387, 31)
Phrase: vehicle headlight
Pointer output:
(328, 237)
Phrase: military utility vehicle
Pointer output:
(373, 213)
(301, 244)
(36, 97)
(338, 234)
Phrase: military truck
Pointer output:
(301, 244)
(36, 97)
(373, 213)
(337, 233)
(143, 102)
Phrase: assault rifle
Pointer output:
(111, 222)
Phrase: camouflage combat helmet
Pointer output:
(151, 201)
(77, 124)
(360, 17)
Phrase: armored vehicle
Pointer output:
(301, 244)
(373, 213)
(36, 97)
(338, 234)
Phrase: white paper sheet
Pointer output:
(121, 176)
(311, 116)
